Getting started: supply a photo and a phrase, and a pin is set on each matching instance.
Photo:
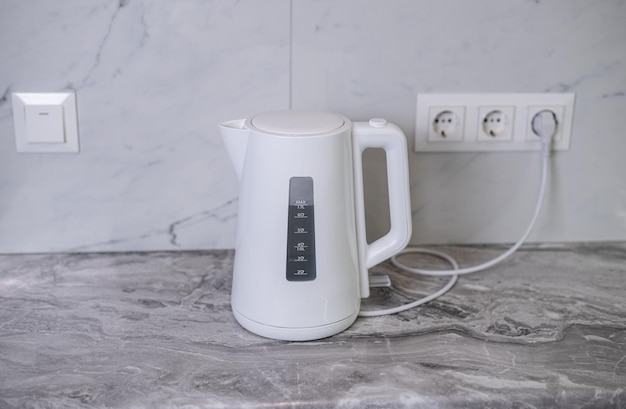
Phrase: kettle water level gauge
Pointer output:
(301, 230)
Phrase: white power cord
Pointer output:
(544, 124)
(413, 304)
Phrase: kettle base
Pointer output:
(296, 333)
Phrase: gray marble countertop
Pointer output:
(154, 330)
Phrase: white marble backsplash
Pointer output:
(154, 78)
(370, 58)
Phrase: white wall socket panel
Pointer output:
(489, 122)
(45, 122)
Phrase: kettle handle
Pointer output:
(378, 133)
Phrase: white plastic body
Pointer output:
(45, 122)
(516, 135)
(262, 299)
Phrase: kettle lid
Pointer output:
(298, 123)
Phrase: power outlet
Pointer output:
(496, 124)
(489, 122)
(446, 124)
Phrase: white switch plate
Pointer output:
(45, 122)
(517, 110)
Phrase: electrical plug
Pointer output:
(544, 125)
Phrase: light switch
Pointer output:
(45, 122)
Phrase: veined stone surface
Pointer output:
(547, 328)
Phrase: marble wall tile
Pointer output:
(153, 80)
(370, 58)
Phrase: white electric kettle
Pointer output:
(301, 257)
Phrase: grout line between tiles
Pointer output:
(290, 53)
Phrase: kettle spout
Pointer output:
(235, 137)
